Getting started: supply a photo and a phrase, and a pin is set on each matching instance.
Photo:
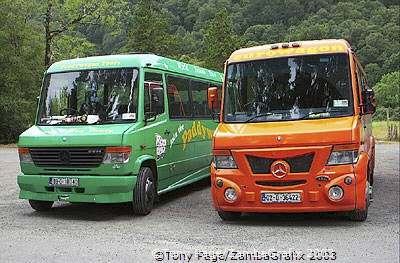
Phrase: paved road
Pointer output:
(185, 221)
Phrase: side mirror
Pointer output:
(212, 98)
(369, 106)
(149, 117)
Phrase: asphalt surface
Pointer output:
(185, 221)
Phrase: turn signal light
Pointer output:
(118, 155)
(24, 155)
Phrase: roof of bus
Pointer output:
(296, 48)
(136, 61)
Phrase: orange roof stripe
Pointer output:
(306, 48)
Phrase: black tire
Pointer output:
(361, 215)
(41, 205)
(144, 192)
(358, 215)
(371, 177)
(229, 216)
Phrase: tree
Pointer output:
(21, 67)
(61, 16)
(150, 32)
(387, 90)
(220, 40)
(67, 47)
(264, 34)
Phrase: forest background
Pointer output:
(36, 33)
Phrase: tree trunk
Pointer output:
(47, 55)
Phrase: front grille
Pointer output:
(281, 183)
(298, 164)
(67, 157)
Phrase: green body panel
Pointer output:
(184, 159)
(136, 61)
(99, 189)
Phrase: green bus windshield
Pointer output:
(89, 97)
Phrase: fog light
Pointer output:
(335, 192)
(230, 194)
(348, 180)
(220, 183)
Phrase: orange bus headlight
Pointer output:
(230, 194)
(224, 162)
(336, 192)
(343, 154)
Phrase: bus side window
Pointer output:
(178, 98)
(357, 71)
(199, 96)
(219, 87)
(363, 81)
(153, 94)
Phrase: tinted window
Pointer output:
(179, 98)
(89, 97)
(292, 88)
(153, 94)
(199, 96)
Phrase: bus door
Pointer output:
(155, 116)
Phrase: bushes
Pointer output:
(16, 116)
(381, 114)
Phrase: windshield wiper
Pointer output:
(260, 115)
(320, 112)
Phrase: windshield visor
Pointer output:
(89, 97)
(290, 88)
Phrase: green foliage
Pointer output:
(67, 47)
(63, 16)
(381, 114)
(200, 32)
(387, 90)
(220, 40)
(264, 34)
(21, 68)
(150, 32)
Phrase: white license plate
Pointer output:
(282, 197)
(64, 181)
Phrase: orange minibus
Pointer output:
(295, 131)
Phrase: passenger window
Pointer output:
(199, 97)
(358, 85)
(362, 81)
(219, 88)
(153, 94)
(178, 98)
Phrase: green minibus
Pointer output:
(120, 128)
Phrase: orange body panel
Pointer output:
(290, 139)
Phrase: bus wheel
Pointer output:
(41, 205)
(144, 192)
(361, 215)
(371, 176)
(229, 216)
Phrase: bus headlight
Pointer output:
(224, 162)
(117, 155)
(230, 194)
(343, 154)
(335, 192)
(24, 155)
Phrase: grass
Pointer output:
(10, 145)
(379, 129)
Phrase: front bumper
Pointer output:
(92, 189)
(314, 193)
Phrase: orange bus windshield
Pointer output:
(288, 88)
